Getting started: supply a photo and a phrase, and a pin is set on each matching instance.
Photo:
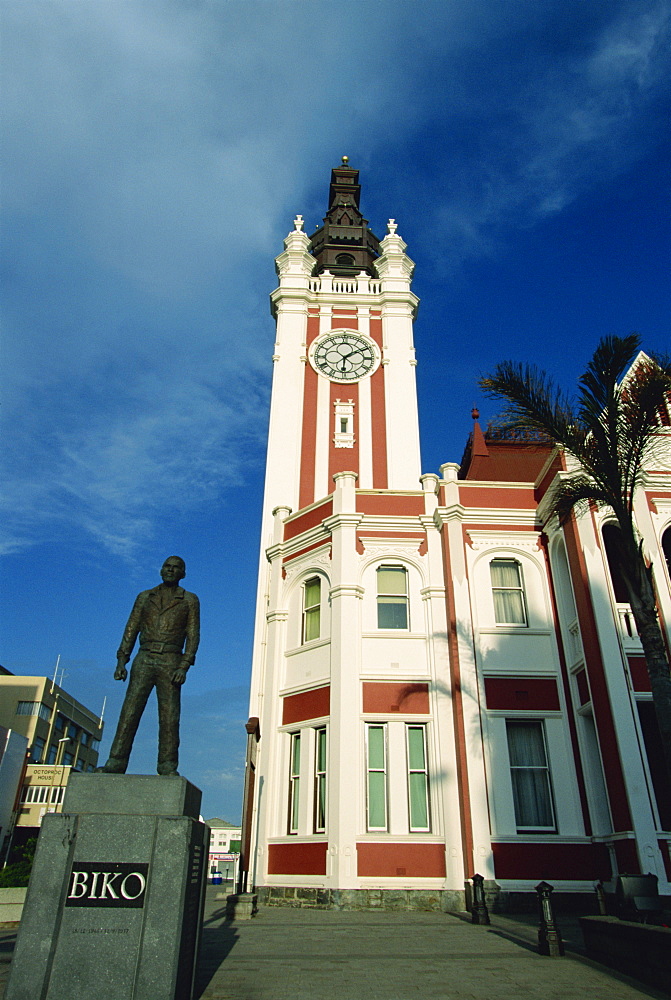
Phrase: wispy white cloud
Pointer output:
(156, 155)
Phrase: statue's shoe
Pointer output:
(115, 765)
(167, 771)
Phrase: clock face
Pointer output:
(344, 357)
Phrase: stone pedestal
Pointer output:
(114, 905)
(241, 906)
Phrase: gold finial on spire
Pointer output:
(345, 160)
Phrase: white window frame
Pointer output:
(385, 598)
(320, 780)
(539, 768)
(293, 818)
(311, 610)
(519, 589)
(377, 770)
(413, 828)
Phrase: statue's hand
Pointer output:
(120, 674)
(179, 676)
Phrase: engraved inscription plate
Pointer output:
(104, 884)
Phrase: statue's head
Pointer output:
(173, 570)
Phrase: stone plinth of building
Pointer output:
(114, 905)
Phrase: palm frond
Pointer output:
(534, 402)
(576, 494)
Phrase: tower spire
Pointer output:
(345, 245)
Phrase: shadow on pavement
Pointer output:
(218, 938)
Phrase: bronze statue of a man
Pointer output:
(167, 619)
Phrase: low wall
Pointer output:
(362, 899)
(11, 904)
(639, 950)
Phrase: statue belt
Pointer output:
(161, 647)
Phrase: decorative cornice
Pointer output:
(342, 520)
(277, 616)
(347, 590)
(443, 515)
(494, 539)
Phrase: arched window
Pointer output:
(611, 541)
(311, 627)
(392, 597)
(344, 260)
(508, 592)
(666, 549)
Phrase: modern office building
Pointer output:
(59, 729)
(445, 680)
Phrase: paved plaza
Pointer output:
(301, 954)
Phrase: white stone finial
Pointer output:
(391, 227)
(298, 224)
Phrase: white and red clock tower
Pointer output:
(442, 681)
(345, 656)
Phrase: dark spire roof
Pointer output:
(344, 244)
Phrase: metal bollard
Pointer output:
(479, 911)
(601, 898)
(549, 937)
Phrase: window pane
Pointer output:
(526, 746)
(321, 749)
(509, 607)
(296, 754)
(311, 625)
(294, 804)
(419, 815)
(376, 746)
(507, 592)
(505, 573)
(530, 776)
(391, 580)
(377, 811)
(311, 609)
(531, 796)
(392, 615)
(416, 748)
(320, 818)
(312, 593)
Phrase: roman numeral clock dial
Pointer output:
(344, 357)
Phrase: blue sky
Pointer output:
(155, 154)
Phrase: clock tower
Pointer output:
(347, 619)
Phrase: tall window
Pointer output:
(37, 750)
(320, 780)
(294, 781)
(376, 785)
(532, 790)
(311, 608)
(508, 592)
(392, 597)
(418, 778)
(666, 549)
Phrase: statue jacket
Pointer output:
(173, 628)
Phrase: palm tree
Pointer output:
(610, 429)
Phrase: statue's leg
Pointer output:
(169, 703)
(139, 686)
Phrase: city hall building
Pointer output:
(445, 680)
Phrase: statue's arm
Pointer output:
(192, 633)
(130, 634)
(192, 640)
